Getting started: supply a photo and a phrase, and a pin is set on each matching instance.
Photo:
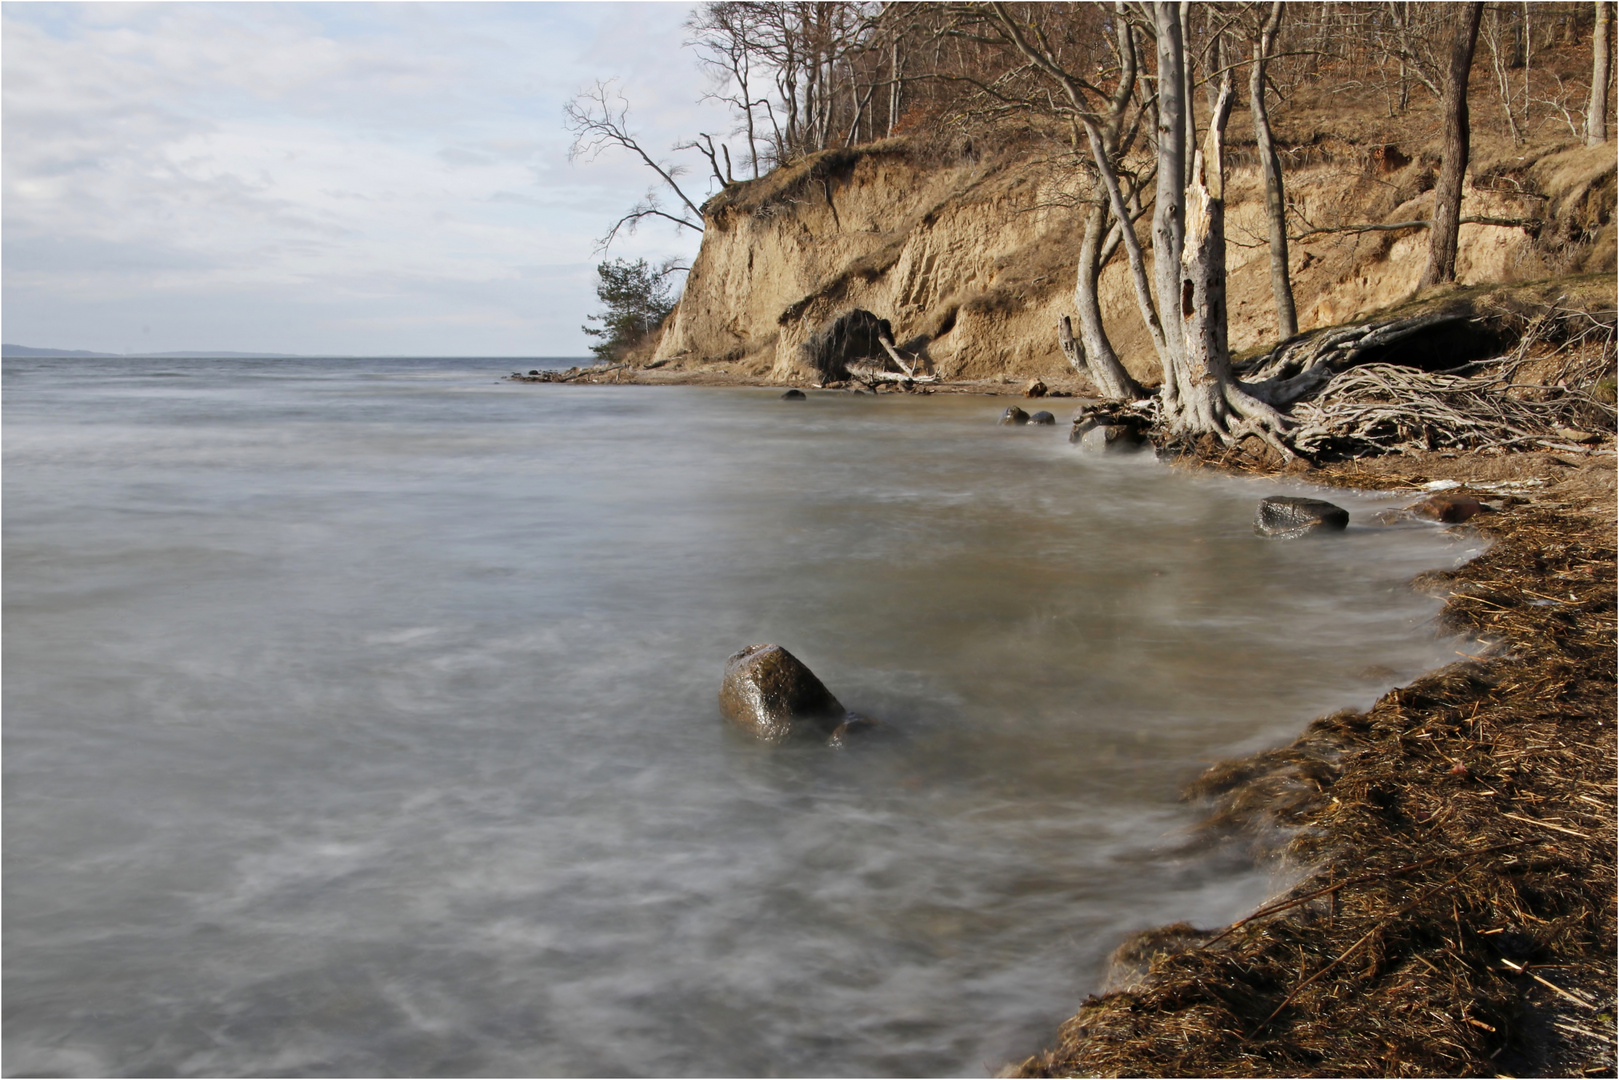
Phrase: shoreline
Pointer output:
(1451, 848)
(1452, 906)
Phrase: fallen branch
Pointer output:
(888, 347)
(871, 375)
(1527, 224)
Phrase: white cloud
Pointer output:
(327, 178)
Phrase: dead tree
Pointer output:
(1596, 113)
(1270, 167)
(1102, 115)
(1200, 394)
(599, 120)
(1447, 195)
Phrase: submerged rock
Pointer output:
(1097, 433)
(1014, 415)
(1287, 516)
(1448, 509)
(793, 395)
(1042, 417)
(771, 695)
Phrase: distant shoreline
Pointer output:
(26, 352)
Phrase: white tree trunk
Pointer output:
(1207, 399)
(1091, 353)
(1596, 113)
(1169, 211)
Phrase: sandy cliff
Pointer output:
(972, 258)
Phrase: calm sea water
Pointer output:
(360, 719)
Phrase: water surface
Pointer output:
(360, 719)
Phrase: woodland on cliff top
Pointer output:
(1127, 111)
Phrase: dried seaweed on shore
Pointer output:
(1457, 912)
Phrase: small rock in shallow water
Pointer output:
(771, 695)
(1287, 516)
(1448, 509)
(793, 395)
(1095, 434)
(1042, 417)
(1014, 415)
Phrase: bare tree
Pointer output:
(1270, 167)
(1102, 115)
(1596, 113)
(1447, 195)
(723, 35)
(1183, 305)
(599, 120)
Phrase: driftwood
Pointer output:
(871, 375)
(567, 376)
(895, 355)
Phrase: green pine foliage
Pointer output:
(636, 298)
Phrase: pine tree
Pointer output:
(637, 297)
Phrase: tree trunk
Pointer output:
(1200, 395)
(1447, 195)
(894, 89)
(1092, 354)
(1270, 167)
(1596, 114)
(1187, 98)
(1169, 211)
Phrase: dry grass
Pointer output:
(1456, 916)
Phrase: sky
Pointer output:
(347, 179)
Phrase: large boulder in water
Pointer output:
(771, 695)
(1042, 418)
(1287, 516)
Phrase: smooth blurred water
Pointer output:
(360, 719)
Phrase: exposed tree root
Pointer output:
(1295, 369)
(1227, 412)
(1380, 408)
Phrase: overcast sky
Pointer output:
(324, 178)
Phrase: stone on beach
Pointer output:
(1448, 509)
(1036, 388)
(1095, 433)
(770, 694)
(1287, 516)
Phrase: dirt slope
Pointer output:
(971, 258)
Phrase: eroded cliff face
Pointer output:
(973, 260)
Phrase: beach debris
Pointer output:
(770, 694)
(1014, 415)
(793, 395)
(1284, 517)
